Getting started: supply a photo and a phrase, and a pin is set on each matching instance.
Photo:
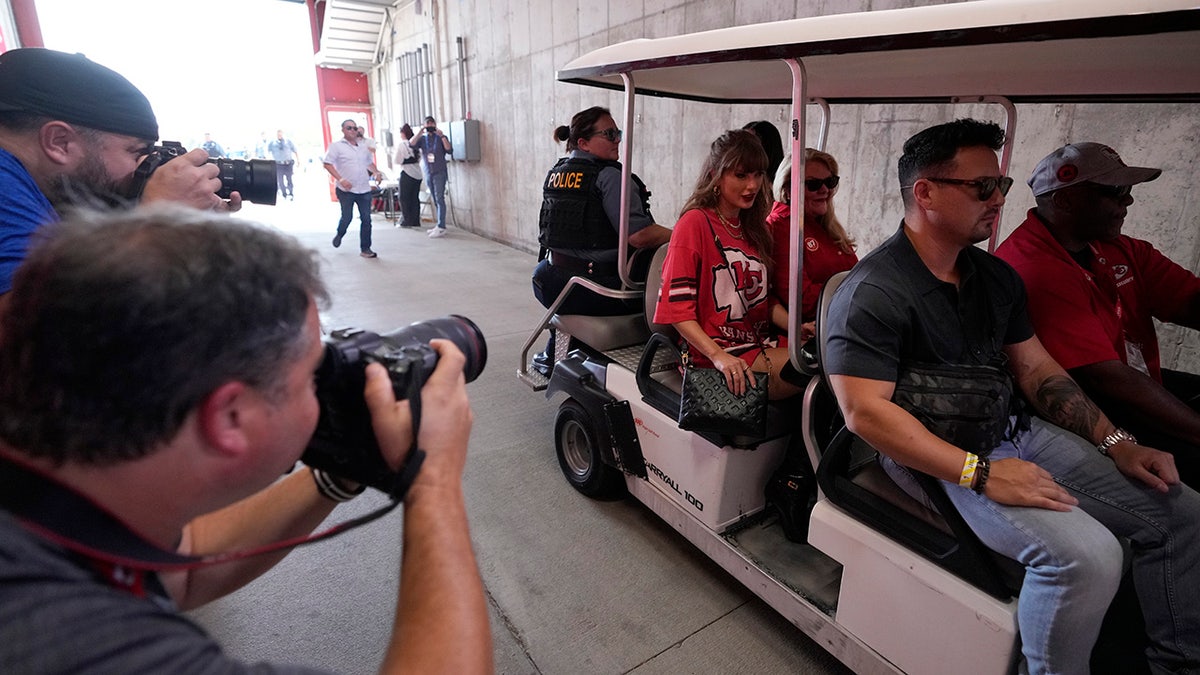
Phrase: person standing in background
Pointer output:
(410, 180)
(362, 136)
(433, 146)
(283, 151)
(212, 147)
(260, 148)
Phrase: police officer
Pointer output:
(581, 211)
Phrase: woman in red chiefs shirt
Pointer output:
(827, 248)
(716, 277)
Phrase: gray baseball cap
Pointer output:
(1085, 163)
(71, 88)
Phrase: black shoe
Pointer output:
(369, 254)
(337, 240)
(542, 363)
(793, 497)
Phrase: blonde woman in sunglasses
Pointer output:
(828, 249)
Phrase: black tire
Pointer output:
(577, 443)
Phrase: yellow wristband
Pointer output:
(968, 470)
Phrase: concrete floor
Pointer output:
(574, 585)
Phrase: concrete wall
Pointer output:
(515, 47)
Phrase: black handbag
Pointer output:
(706, 404)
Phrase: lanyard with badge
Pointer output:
(1133, 350)
(430, 156)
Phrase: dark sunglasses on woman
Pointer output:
(814, 184)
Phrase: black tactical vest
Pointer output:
(572, 215)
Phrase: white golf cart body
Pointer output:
(877, 604)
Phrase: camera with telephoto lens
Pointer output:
(254, 179)
(344, 442)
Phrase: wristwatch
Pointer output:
(1117, 436)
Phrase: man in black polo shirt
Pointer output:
(926, 319)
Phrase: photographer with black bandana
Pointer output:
(73, 131)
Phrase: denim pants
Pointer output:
(437, 189)
(1073, 560)
(347, 200)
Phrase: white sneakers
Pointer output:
(437, 233)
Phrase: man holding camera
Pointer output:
(433, 146)
(73, 132)
(139, 427)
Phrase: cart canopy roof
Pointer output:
(1026, 50)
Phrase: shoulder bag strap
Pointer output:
(728, 267)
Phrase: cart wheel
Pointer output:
(577, 440)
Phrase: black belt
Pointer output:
(572, 265)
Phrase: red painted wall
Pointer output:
(338, 89)
(29, 29)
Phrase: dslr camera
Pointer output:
(344, 442)
(254, 179)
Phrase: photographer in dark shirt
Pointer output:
(158, 380)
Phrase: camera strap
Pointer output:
(65, 517)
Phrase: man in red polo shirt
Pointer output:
(1094, 293)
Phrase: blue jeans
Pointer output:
(1073, 560)
(347, 200)
(437, 188)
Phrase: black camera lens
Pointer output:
(254, 179)
(458, 329)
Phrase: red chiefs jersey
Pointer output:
(731, 302)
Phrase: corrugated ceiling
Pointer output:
(350, 36)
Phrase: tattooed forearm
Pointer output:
(1062, 402)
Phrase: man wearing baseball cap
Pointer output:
(1094, 294)
(72, 132)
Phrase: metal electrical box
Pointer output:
(464, 140)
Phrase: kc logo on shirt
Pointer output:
(750, 274)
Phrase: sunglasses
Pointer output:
(349, 128)
(985, 185)
(814, 184)
(613, 135)
(1115, 192)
